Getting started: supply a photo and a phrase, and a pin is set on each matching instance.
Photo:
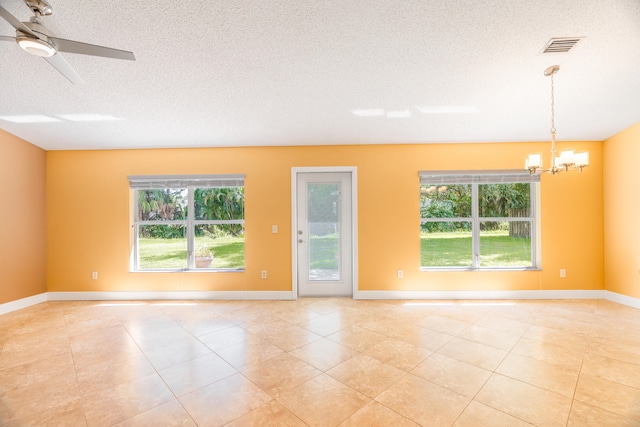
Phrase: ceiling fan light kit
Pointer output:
(38, 47)
(36, 39)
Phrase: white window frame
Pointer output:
(476, 178)
(190, 183)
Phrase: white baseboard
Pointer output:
(289, 295)
(476, 295)
(623, 299)
(170, 295)
(8, 307)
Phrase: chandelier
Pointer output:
(567, 160)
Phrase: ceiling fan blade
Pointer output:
(71, 46)
(8, 39)
(15, 23)
(61, 64)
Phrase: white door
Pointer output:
(324, 236)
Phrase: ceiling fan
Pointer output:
(36, 39)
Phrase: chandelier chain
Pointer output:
(553, 120)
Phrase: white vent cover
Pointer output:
(561, 45)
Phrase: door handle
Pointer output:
(300, 232)
(300, 240)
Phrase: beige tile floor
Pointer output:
(321, 362)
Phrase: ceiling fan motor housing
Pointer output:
(40, 7)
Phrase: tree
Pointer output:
(454, 201)
(445, 201)
(219, 204)
(162, 205)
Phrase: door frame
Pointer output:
(354, 221)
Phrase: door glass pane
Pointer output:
(324, 231)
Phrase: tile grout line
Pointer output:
(159, 376)
(575, 388)
(75, 368)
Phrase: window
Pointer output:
(188, 222)
(476, 220)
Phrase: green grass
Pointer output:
(228, 252)
(172, 253)
(437, 250)
(445, 249)
(453, 249)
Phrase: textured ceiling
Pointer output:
(283, 72)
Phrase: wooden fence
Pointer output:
(520, 228)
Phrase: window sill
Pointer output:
(193, 270)
(471, 269)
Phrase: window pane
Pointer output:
(445, 201)
(504, 200)
(162, 247)
(219, 203)
(446, 244)
(505, 244)
(224, 241)
(164, 204)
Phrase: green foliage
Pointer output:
(162, 204)
(439, 209)
(219, 204)
(209, 204)
(445, 201)
(214, 231)
(204, 251)
(164, 231)
(496, 200)
(454, 201)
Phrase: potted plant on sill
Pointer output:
(204, 257)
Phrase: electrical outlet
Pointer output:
(400, 274)
(563, 273)
(263, 274)
(94, 275)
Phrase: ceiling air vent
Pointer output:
(561, 45)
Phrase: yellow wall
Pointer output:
(22, 219)
(88, 216)
(622, 212)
